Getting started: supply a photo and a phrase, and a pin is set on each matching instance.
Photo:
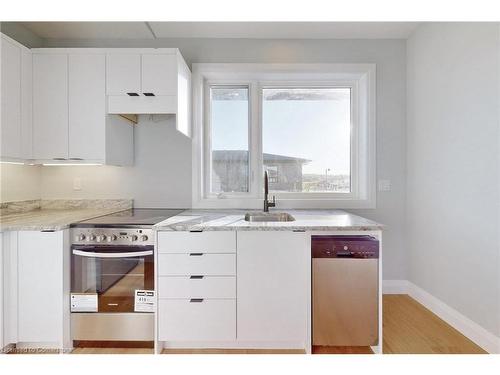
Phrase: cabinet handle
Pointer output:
(75, 159)
(148, 94)
(132, 94)
(195, 254)
(197, 277)
(59, 159)
(196, 300)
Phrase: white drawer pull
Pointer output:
(196, 300)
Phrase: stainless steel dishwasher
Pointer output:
(345, 290)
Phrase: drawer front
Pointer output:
(203, 242)
(197, 287)
(183, 320)
(204, 264)
(142, 104)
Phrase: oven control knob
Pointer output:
(80, 237)
(111, 238)
(100, 238)
(132, 238)
(90, 237)
(144, 237)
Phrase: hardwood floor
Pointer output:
(111, 351)
(341, 350)
(409, 328)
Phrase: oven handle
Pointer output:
(93, 254)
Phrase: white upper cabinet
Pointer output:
(87, 107)
(159, 74)
(151, 81)
(123, 73)
(16, 94)
(26, 104)
(69, 107)
(50, 106)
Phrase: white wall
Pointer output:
(453, 168)
(19, 182)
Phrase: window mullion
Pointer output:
(255, 136)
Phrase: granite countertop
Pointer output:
(50, 219)
(310, 220)
(57, 214)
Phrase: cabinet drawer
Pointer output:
(202, 242)
(119, 104)
(189, 264)
(210, 319)
(197, 287)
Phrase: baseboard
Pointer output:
(395, 287)
(470, 329)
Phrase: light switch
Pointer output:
(77, 184)
(384, 185)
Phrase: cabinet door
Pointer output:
(50, 106)
(123, 74)
(87, 111)
(11, 100)
(40, 286)
(26, 104)
(272, 286)
(159, 74)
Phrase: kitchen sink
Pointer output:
(268, 216)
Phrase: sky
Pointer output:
(318, 130)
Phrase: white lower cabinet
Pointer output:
(272, 286)
(241, 289)
(196, 286)
(197, 320)
(43, 264)
(1, 292)
(197, 264)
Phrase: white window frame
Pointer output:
(360, 78)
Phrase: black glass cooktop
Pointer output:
(136, 217)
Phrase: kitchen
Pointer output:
(160, 193)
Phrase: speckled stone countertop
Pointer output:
(59, 214)
(309, 220)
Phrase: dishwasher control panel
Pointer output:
(360, 247)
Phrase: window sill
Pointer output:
(283, 204)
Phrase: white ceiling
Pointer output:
(258, 30)
(90, 30)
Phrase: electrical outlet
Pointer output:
(384, 185)
(77, 184)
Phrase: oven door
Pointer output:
(114, 273)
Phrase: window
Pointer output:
(306, 131)
(229, 140)
(310, 126)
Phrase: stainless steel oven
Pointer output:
(112, 273)
(112, 285)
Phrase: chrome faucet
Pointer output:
(267, 203)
